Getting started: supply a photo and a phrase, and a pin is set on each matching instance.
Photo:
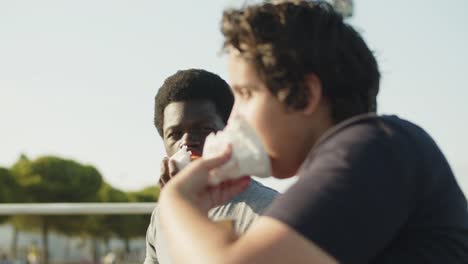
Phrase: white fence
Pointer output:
(75, 208)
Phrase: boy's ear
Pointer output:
(314, 85)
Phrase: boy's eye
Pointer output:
(244, 93)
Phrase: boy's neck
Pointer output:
(317, 126)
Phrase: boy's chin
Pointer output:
(282, 171)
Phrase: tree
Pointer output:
(8, 189)
(123, 226)
(21, 222)
(102, 227)
(10, 192)
(136, 225)
(148, 194)
(52, 179)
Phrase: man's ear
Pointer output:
(314, 85)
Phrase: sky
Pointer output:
(78, 78)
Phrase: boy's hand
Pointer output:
(168, 171)
(192, 183)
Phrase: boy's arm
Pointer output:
(268, 241)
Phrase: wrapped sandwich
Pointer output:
(248, 155)
(183, 157)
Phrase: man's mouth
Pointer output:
(195, 152)
(194, 149)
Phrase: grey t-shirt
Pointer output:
(244, 209)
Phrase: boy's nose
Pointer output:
(235, 113)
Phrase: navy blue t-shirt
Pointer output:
(377, 189)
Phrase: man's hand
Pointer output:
(192, 183)
(168, 171)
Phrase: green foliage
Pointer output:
(120, 225)
(53, 179)
(19, 172)
(123, 226)
(140, 222)
(8, 189)
(148, 195)
(109, 194)
(103, 226)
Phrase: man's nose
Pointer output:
(190, 139)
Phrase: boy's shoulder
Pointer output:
(370, 129)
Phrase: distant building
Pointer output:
(345, 7)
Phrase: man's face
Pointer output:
(189, 123)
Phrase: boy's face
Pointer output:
(280, 129)
(189, 123)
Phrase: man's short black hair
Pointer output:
(193, 84)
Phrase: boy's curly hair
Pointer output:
(285, 40)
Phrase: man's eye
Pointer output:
(175, 134)
(207, 130)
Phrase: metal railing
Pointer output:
(75, 208)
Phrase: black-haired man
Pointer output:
(190, 105)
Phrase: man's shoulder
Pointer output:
(154, 222)
(256, 192)
(246, 206)
(255, 199)
(256, 186)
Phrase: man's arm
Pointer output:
(151, 255)
(168, 170)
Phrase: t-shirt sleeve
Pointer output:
(246, 207)
(151, 255)
(353, 194)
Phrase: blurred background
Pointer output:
(77, 87)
